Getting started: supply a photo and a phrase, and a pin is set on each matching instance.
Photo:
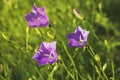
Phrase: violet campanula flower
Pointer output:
(78, 38)
(46, 54)
(38, 17)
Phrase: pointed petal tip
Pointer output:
(34, 4)
(54, 42)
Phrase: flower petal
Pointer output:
(45, 46)
(43, 61)
(78, 29)
(47, 53)
(86, 35)
(53, 45)
(78, 38)
(38, 17)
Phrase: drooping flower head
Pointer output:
(38, 17)
(46, 54)
(78, 38)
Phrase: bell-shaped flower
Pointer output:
(78, 38)
(38, 17)
(46, 54)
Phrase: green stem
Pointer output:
(27, 36)
(90, 26)
(41, 77)
(98, 62)
(71, 59)
(67, 70)
(113, 72)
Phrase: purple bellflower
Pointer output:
(38, 17)
(78, 38)
(46, 54)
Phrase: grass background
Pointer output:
(99, 60)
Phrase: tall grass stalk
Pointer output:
(90, 50)
(27, 38)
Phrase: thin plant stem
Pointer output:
(71, 59)
(113, 72)
(68, 70)
(39, 73)
(98, 62)
(92, 30)
(27, 38)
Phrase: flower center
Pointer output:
(80, 40)
(49, 55)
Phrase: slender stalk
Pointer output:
(41, 77)
(51, 74)
(113, 72)
(98, 62)
(68, 70)
(90, 26)
(27, 36)
(71, 59)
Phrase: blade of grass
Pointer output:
(71, 59)
(39, 73)
(113, 72)
(90, 50)
(67, 70)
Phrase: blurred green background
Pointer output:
(102, 19)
